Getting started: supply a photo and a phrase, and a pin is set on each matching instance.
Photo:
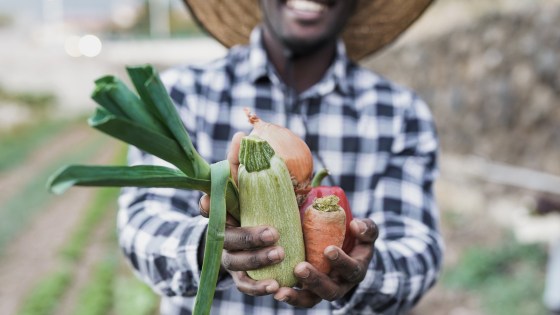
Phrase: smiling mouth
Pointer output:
(307, 6)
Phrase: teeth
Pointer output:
(305, 5)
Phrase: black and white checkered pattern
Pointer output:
(377, 139)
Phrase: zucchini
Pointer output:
(266, 197)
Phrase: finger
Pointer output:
(204, 205)
(233, 154)
(297, 298)
(251, 260)
(241, 238)
(365, 230)
(317, 282)
(204, 208)
(252, 287)
(350, 269)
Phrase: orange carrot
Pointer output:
(324, 224)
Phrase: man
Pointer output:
(377, 140)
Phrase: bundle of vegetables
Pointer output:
(274, 173)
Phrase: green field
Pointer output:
(110, 282)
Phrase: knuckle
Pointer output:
(255, 261)
(247, 239)
(357, 274)
(374, 230)
(332, 295)
(227, 261)
(311, 302)
(250, 290)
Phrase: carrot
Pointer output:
(324, 224)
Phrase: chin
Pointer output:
(304, 46)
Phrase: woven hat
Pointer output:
(375, 23)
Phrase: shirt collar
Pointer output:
(258, 59)
(336, 75)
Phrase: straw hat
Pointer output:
(375, 24)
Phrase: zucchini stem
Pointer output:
(255, 153)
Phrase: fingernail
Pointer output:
(303, 273)
(282, 298)
(273, 255)
(267, 236)
(332, 254)
(271, 288)
(362, 226)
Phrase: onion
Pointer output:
(291, 148)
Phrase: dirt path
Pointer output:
(95, 252)
(33, 253)
(15, 179)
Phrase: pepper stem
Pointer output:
(318, 178)
(255, 153)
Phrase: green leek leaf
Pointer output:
(123, 176)
(110, 92)
(139, 75)
(214, 238)
(153, 92)
(101, 97)
(144, 139)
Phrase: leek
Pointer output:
(151, 122)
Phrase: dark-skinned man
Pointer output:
(296, 67)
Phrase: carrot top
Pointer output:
(327, 204)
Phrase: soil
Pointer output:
(14, 180)
(33, 253)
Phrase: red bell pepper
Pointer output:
(318, 191)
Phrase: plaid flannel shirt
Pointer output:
(377, 139)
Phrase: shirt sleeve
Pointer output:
(408, 252)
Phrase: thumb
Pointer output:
(233, 154)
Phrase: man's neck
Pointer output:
(299, 71)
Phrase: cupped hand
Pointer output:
(348, 270)
(246, 248)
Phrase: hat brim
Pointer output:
(375, 24)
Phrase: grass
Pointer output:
(97, 296)
(18, 145)
(133, 297)
(509, 279)
(18, 210)
(105, 199)
(43, 300)
(108, 288)
(39, 102)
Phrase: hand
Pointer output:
(246, 248)
(346, 273)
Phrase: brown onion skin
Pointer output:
(291, 148)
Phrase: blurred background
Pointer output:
(488, 70)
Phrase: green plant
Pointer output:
(133, 297)
(45, 296)
(97, 297)
(43, 300)
(509, 278)
(39, 102)
(20, 143)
